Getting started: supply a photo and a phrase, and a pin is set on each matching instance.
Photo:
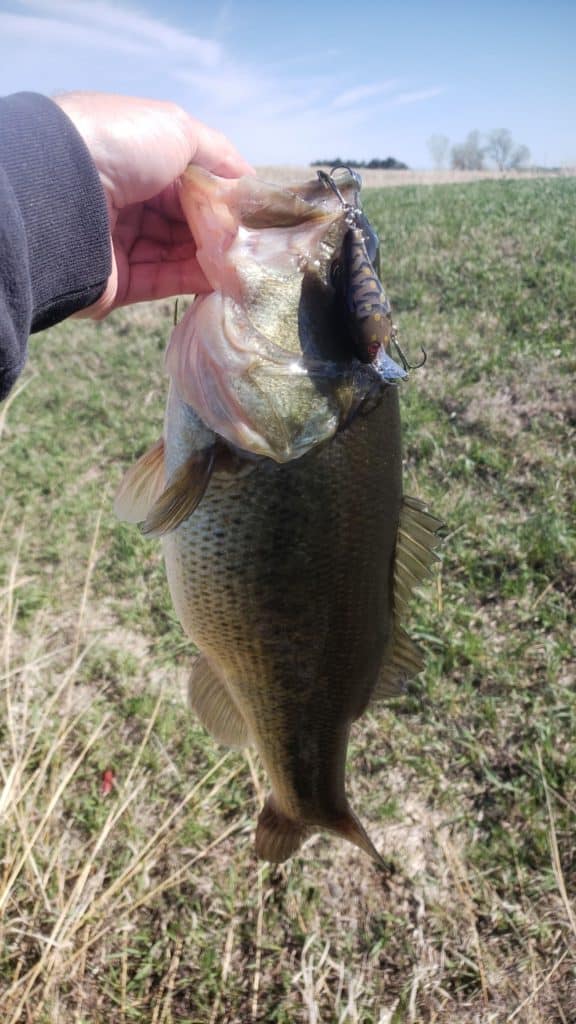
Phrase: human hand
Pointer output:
(140, 148)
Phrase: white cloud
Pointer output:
(63, 34)
(228, 89)
(363, 92)
(417, 96)
(128, 24)
(240, 89)
(313, 58)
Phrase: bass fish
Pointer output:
(291, 552)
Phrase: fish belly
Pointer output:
(283, 578)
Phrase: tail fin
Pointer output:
(349, 827)
(277, 836)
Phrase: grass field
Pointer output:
(129, 890)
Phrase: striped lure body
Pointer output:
(368, 307)
(356, 280)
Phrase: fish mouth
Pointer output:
(266, 360)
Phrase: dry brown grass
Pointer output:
(286, 173)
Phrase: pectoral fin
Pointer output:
(183, 494)
(209, 698)
(141, 485)
(276, 207)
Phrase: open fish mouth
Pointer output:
(284, 351)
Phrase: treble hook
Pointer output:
(405, 364)
(350, 170)
(328, 180)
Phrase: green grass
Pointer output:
(147, 904)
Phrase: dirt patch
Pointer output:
(506, 408)
(419, 873)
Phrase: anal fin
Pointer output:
(210, 699)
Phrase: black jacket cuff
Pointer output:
(56, 224)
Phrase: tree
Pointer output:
(469, 155)
(377, 163)
(500, 146)
(520, 157)
(502, 149)
(389, 164)
(438, 146)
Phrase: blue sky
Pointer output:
(291, 82)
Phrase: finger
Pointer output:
(214, 151)
(167, 203)
(148, 281)
(148, 250)
(148, 223)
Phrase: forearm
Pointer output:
(54, 235)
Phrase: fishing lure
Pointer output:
(355, 277)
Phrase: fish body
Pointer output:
(290, 551)
(283, 578)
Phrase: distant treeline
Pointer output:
(389, 164)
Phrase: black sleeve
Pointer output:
(54, 237)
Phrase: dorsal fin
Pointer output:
(415, 543)
(141, 485)
(413, 508)
(403, 662)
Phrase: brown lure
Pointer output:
(355, 277)
(369, 309)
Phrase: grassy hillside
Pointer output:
(129, 890)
